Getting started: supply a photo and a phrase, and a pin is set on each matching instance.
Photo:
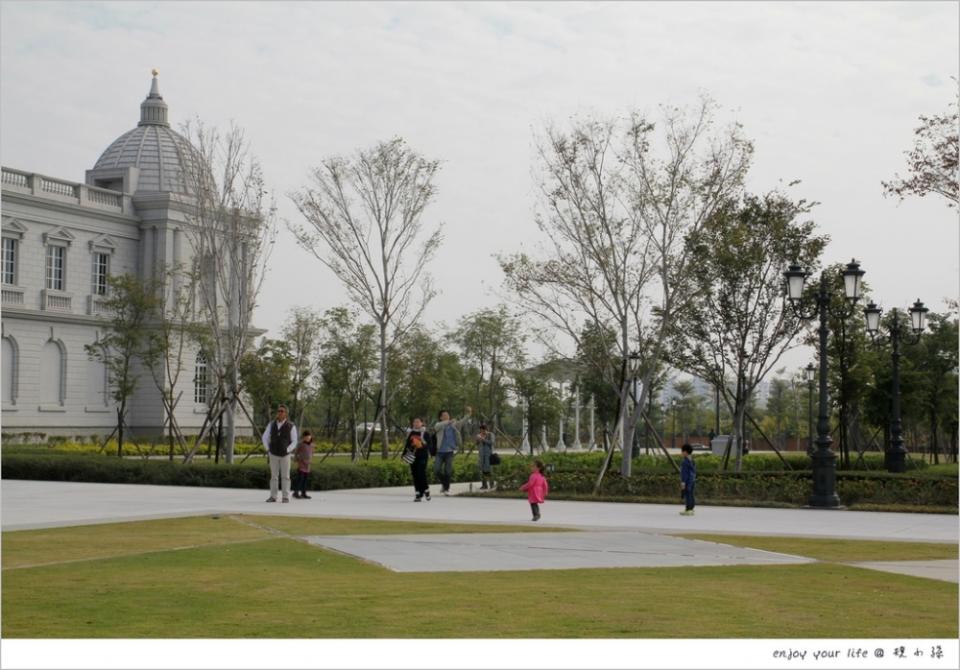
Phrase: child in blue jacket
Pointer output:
(688, 478)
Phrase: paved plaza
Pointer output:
(36, 504)
(544, 551)
(612, 534)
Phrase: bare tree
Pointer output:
(364, 222)
(933, 160)
(172, 331)
(231, 224)
(617, 206)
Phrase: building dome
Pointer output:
(162, 155)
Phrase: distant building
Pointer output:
(61, 239)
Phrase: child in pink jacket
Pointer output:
(536, 488)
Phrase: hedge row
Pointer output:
(754, 462)
(567, 475)
(326, 476)
(791, 487)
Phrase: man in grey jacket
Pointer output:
(447, 432)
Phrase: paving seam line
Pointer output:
(135, 553)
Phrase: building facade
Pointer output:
(61, 239)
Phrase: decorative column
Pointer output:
(544, 447)
(525, 446)
(561, 446)
(593, 442)
(576, 446)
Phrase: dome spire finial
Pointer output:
(153, 110)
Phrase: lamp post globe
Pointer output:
(810, 373)
(918, 317)
(796, 278)
(852, 280)
(872, 314)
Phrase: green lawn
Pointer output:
(838, 551)
(227, 588)
(109, 540)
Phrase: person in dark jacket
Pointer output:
(688, 479)
(485, 442)
(418, 446)
(279, 439)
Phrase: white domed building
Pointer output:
(61, 239)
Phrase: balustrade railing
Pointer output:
(56, 302)
(12, 296)
(15, 178)
(82, 194)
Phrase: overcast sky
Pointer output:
(830, 93)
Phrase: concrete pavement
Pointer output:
(543, 551)
(36, 504)
(613, 534)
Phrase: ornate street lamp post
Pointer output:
(824, 460)
(897, 331)
(810, 373)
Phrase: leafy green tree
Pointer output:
(348, 355)
(688, 404)
(598, 361)
(932, 162)
(778, 411)
(301, 332)
(131, 302)
(736, 325)
(937, 358)
(431, 377)
(850, 360)
(544, 403)
(493, 341)
(266, 377)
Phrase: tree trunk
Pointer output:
(934, 445)
(230, 434)
(170, 428)
(354, 446)
(120, 412)
(493, 409)
(384, 439)
(738, 433)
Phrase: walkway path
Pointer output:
(34, 504)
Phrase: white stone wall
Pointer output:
(71, 322)
(78, 413)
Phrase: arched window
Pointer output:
(53, 373)
(10, 371)
(97, 394)
(200, 379)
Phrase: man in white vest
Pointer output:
(280, 439)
